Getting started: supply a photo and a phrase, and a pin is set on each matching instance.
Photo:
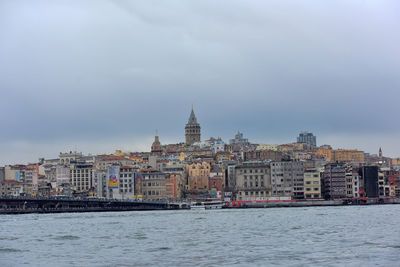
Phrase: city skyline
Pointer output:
(149, 147)
(271, 70)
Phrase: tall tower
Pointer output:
(192, 130)
(156, 146)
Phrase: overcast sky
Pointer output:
(103, 75)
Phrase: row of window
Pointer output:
(81, 176)
(255, 184)
(309, 189)
(149, 177)
(251, 177)
(153, 184)
(312, 196)
(251, 171)
(81, 170)
(252, 193)
(125, 190)
(309, 175)
(287, 170)
(80, 180)
(282, 191)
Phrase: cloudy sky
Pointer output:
(103, 75)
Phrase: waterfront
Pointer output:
(317, 236)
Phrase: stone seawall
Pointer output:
(314, 203)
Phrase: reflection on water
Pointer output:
(318, 236)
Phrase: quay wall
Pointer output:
(311, 203)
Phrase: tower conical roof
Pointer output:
(192, 118)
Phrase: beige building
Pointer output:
(81, 176)
(267, 147)
(153, 184)
(253, 181)
(312, 183)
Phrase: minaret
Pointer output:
(192, 129)
(380, 152)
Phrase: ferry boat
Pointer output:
(206, 205)
(198, 206)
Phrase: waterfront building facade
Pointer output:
(152, 184)
(287, 178)
(81, 174)
(334, 181)
(369, 176)
(127, 179)
(352, 181)
(253, 180)
(312, 183)
(99, 183)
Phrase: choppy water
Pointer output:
(319, 236)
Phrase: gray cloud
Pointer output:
(97, 72)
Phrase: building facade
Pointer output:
(369, 177)
(312, 183)
(253, 181)
(334, 181)
(152, 184)
(287, 178)
(306, 137)
(198, 175)
(342, 155)
(81, 177)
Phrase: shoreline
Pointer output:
(44, 205)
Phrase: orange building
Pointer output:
(173, 185)
(341, 155)
(396, 161)
(198, 176)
